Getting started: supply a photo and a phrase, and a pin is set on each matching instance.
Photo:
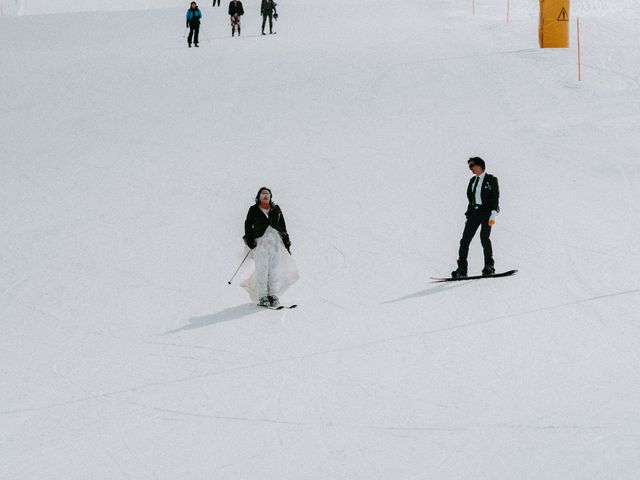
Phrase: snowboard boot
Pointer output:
(459, 273)
(189, 45)
(274, 301)
(264, 302)
(488, 270)
(263, 32)
(196, 45)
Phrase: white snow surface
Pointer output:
(127, 165)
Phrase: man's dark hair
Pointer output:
(476, 161)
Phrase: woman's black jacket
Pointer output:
(235, 8)
(257, 222)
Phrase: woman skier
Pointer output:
(265, 232)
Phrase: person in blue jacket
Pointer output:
(193, 23)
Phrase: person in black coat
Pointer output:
(193, 23)
(262, 215)
(265, 232)
(235, 12)
(268, 10)
(483, 195)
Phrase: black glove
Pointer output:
(250, 242)
(275, 15)
(187, 24)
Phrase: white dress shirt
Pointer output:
(479, 188)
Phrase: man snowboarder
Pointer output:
(235, 12)
(193, 23)
(268, 10)
(483, 195)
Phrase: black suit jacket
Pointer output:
(267, 7)
(490, 193)
(257, 222)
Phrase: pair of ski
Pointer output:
(475, 277)
(279, 307)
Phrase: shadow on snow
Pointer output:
(424, 293)
(226, 315)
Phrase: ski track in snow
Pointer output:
(269, 363)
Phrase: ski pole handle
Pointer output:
(238, 269)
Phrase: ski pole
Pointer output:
(245, 257)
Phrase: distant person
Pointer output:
(268, 10)
(265, 232)
(483, 195)
(235, 12)
(193, 23)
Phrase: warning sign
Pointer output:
(563, 17)
(554, 23)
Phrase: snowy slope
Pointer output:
(40, 7)
(127, 164)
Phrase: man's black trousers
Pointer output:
(193, 29)
(478, 217)
(264, 21)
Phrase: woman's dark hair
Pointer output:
(258, 196)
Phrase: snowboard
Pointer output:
(474, 277)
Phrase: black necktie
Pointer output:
(473, 190)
